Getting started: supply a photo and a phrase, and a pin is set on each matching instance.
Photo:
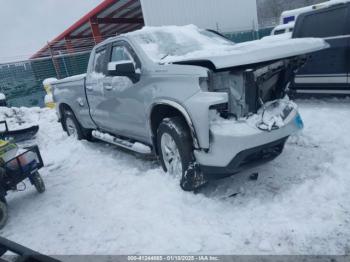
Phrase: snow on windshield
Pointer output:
(168, 44)
(177, 41)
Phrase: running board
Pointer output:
(132, 146)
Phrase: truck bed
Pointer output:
(71, 91)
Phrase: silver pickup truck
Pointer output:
(205, 106)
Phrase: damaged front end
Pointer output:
(251, 87)
(253, 126)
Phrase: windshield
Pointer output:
(162, 43)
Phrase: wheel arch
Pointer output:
(168, 108)
(61, 108)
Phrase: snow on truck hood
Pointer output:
(169, 44)
(264, 50)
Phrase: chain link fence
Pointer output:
(22, 82)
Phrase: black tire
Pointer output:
(177, 128)
(3, 214)
(70, 119)
(38, 182)
(292, 94)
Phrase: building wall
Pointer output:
(222, 15)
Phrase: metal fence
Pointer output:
(244, 36)
(21, 82)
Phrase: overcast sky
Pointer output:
(26, 25)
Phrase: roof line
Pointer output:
(98, 9)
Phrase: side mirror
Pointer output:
(122, 68)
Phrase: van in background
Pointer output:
(327, 71)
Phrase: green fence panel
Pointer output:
(244, 36)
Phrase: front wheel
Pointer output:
(3, 214)
(38, 182)
(175, 149)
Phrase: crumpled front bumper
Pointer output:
(244, 146)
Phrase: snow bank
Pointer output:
(100, 200)
(19, 118)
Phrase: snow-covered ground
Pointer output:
(100, 200)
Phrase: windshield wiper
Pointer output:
(164, 56)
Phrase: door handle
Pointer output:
(108, 87)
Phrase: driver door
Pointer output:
(122, 95)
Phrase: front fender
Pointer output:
(197, 107)
(183, 111)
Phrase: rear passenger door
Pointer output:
(326, 69)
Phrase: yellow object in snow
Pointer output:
(8, 150)
(48, 103)
(48, 88)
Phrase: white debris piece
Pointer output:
(141, 148)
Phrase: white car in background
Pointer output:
(283, 29)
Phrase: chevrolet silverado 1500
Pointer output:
(207, 107)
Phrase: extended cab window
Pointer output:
(99, 61)
(325, 23)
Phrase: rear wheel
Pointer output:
(3, 214)
(73, 128)
(175, 149)
(38, 182)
